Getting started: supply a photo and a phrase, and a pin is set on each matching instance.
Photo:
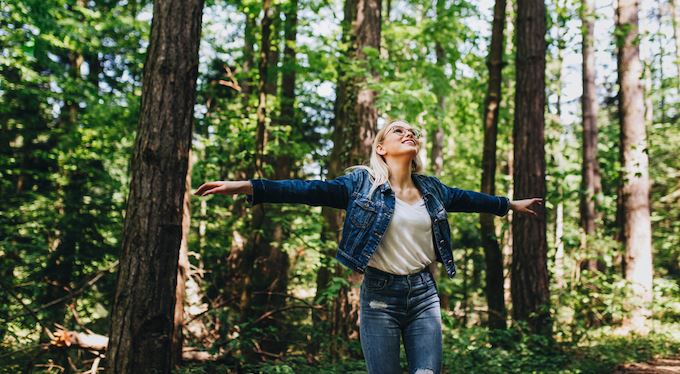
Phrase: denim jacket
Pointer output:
(367, 218)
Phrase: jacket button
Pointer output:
(449, 261)
(441, 242)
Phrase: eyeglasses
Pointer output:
(401, 131)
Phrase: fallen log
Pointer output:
(95, 342)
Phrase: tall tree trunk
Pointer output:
(246, 81)
(508, 170)
(637, 235)
(266, 264)
(591, 185)
(437, 154)
(261, 136)
(271, 82)
(355, 127)
(289, 65)
(182, 271)
(560, 35)
(141, 318)
(530, 287)
(492, 252)
(437, 157)
(507, 237)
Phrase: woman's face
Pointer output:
(399, 139)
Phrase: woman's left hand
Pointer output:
(526, 206)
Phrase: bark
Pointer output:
(530, 287)
(492, 252)
(437, 157)
(263, 66)
(271, 82)
(591, 185)
(355, 127)
(289, 65)
(182, 271)
(508, 170)
(246, 81)
(141, 318)
(636, 227)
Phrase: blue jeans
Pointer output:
(396, 306)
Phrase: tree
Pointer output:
(267, 263)
(355, 127)
(590, 171)
(183, 271)
(530, 289)
(492, 252)
(436, 156)
(141, 319)
(634, 199)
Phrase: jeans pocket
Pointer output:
(375, 284)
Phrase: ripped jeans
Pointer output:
(396, 306)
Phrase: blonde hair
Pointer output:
(377, 168)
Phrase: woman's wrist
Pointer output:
(246, 187)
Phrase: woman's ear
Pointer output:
(380, 150)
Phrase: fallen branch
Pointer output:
(96, 344)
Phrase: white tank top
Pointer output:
(406, 247)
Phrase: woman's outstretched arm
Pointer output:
(458, 200)
(225, 188)
(333, 193)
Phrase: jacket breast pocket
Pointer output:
(442, 221)
(363, 212)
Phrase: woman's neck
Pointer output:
(400, 174)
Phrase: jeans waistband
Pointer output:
(420, 274)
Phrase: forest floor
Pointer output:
(668, 365)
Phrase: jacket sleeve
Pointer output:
(458, 200)
(333, 193)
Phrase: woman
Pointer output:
(396, 225)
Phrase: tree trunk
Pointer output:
(355, 127)
(182, 271)
(590, 171)
(141, 318)
(530, 287)
(492, 252)
(508, 170)
(265, 264)
(261, 136)
(289, 65)
(636, 228)
(437, 157)
(271, 82)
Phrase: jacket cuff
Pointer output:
(504, 207)
(258, 189)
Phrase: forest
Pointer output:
(113, 112)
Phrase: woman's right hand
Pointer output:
(224, 188)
